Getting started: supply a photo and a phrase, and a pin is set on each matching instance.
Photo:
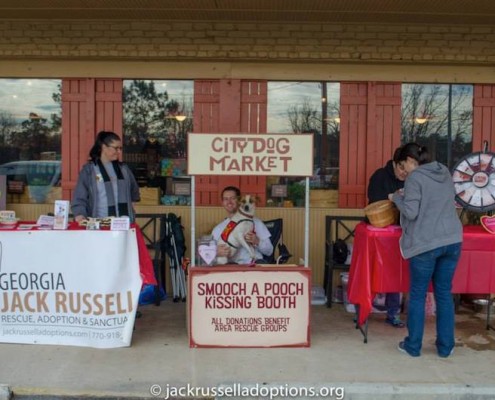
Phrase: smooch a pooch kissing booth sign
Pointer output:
(249, 307)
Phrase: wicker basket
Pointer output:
(382, 213)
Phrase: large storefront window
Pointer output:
(307, 107)
(157, 117)
(30, 139)
(439, 117)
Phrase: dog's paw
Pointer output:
(222, 260)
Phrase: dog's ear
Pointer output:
(257, 200)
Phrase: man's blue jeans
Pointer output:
(392, 303)
(437, 265)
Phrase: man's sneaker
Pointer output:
(395, 322)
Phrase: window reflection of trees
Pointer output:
(308, 107)
(150, 119)
(439, 117)
(155, 127)
(31, 135)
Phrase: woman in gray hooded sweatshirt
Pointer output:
(431, 241)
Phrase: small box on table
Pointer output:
(61, 214)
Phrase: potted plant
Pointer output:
(295, 193)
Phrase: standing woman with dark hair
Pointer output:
(431, 240)
(105, 187)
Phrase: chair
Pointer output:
(336, 227)
(276, 227)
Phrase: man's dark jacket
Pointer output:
(382, 183)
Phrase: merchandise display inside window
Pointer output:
(157, 118)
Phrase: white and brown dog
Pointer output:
(240, 224)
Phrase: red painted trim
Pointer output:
(88, 106)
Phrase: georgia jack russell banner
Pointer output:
(76, 288)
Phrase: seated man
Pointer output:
(259, 237)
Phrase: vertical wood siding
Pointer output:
(88, 106)
(483, 116)
(369, 133)
(75, 120)
(254, 99)
(206, 120)
(384, 119)
(353, 120)
(230, 106)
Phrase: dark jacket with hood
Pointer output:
(383, 182)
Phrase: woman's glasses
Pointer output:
(116, 148)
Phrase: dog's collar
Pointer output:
(244, 214)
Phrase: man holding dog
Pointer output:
(384, 181)
(259, 237)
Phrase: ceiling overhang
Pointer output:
(469, 12)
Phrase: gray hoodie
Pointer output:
(427, 211)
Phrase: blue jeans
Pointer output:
(392, 303)
(437, 265)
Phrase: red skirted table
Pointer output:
(145, 262)
(377, 265)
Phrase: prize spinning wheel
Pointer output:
(474, 181)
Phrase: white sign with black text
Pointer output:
(76, 288)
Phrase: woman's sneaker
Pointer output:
(395, 322)
(448, 355)
(402, 348)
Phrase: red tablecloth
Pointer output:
(145, 262)
(378, 267)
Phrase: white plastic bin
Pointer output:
(344, 277)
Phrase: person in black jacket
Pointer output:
(384, 181)
(387, 179)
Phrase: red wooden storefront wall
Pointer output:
(88, 106)
(229, 106)
(369, 133)
(483, 116)
(370, 127)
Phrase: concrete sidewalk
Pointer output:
(337, 358)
